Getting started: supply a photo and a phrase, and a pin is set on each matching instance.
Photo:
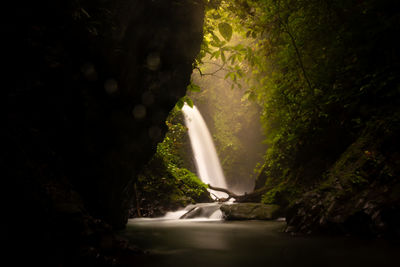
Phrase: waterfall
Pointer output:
(207, 162)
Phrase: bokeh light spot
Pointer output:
(111, 86)
(153, 61)
(139, 112)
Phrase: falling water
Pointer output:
(206, 158)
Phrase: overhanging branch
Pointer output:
(240, 198)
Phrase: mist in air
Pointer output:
(233, 121)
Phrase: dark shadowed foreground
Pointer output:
(250, 243)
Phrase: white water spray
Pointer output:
(206, 158)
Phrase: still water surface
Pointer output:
(249, 243)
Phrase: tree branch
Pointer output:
(221, 67)
(240, 198)
(286, 28)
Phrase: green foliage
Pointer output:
(183, 100)
(225, 30)
(168, 150)
(282, 194)
(190, 184)
(224, 41)
(357, 180)
(193, 88)
(319, 69)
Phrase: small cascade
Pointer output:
(201, 211)
(206, 158)
(175, 215)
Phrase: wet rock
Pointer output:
(206, 210)
(250, 211)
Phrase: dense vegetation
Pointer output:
(326, 74)
(321, 70)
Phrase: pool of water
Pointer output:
(201, 242)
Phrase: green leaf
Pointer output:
(230, 75)
(215, 41)
(193, 87)
(215, 54)
(180, 103)
(215, 44)
(225, 30)
(223, 56)
(232, 59)
(189, 101)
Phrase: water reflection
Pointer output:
(218, 243)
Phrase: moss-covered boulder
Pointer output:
(250, 211)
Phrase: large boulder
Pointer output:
(250, 211)
(96, 82)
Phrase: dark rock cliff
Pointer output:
(87, 89)
(360, 194)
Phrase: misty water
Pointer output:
(204, 242)
(205, 155)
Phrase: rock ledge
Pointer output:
(250, 211)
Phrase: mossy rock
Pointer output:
(250, 211)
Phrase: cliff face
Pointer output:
(360, 193)
(88, 88)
